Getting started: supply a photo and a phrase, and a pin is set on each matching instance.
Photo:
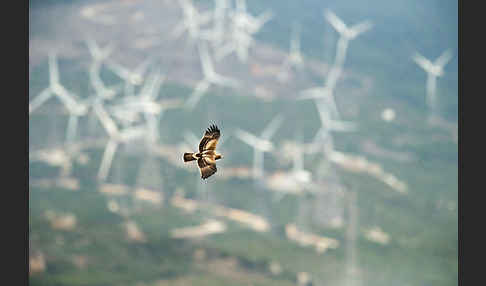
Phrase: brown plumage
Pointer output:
(207, 156)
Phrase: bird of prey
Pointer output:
(206, 157)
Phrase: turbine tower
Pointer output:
(146, 104)
(434, 70)
(260, 144)
(210, 78)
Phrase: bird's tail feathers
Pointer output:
(189, 157)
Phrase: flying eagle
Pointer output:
(206, 157)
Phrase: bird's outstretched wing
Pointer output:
(207, 167)
(210, 139)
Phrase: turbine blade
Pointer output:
(444, 58)
(68, 99)
(225, 81)
(178, 30)
(247, 137)
(261, 20)
(343, 126)
(108, 123)
(159, 81)
(40, 99)
(132, 133)
(142, 68)
(53, 68)
(272, 127)
(196, 95)
(361, 27)
(119, 70)
(151, 85)
(99, 54)
(424, 63)
(321, 134)
(224, 51)
(334, 20)
(312, 93)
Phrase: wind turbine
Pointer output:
(346, 34)
(99, 55)
(323, 137)
(192, 20)
(55, 88)
(216, 34)
(260, 143)
(434, 70)
(243, 27)
(242, 20)
(298, 180)
(240, 43)
(116, 137)
(146, 104)
(68, 99)
(210, 78)
(294, 58)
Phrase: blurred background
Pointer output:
(338, 128)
